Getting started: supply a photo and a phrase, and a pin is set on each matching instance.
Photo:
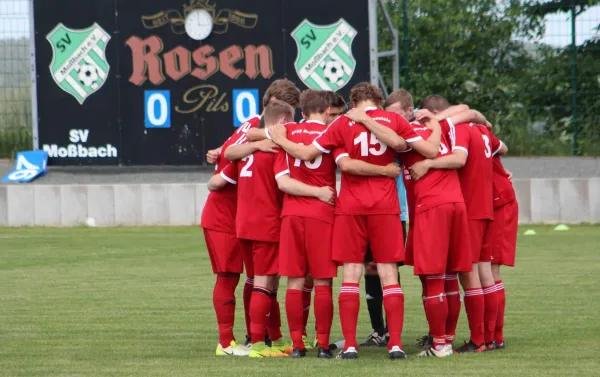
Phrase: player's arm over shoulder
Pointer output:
(362, 168)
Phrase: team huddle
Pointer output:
(274, 211)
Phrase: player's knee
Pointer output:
(388, 273)
(322, 282)
(352, 272)
(295, 283)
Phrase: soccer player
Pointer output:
(504, 230)
(400, 102)
(476, 179)
(307, 226)
(225, 251)
(223, 205)
(367, 209)
(439, 207)
(258, 227)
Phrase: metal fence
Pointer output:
(15, 78)
(530, 67)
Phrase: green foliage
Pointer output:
(15, 97)
(477, 54)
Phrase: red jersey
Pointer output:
(503, 188)
(438, 186)
(366, 195)
(319, 172)
(259, 199)
(220, 208)
(476, 177)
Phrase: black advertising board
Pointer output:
(122, 82)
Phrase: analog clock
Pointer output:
(198, 24)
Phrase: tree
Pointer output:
(477, 53)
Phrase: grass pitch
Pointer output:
(137, 302)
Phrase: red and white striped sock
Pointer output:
(393, 303)
(349, 304)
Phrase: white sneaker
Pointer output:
(432, 352)
(449, 348)
(397, 353)
(232, 350)
(350, 353)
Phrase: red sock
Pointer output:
(423, 289)
(323, 314)
(247, 296)
(499, 333)
(274, 322)
(293, 309)
(393, 303)
(475, 307)
(453, 298)
(436, 309)
(224, 303)
(349, 304)
(260, 306)
(306, 296)
(491, 312)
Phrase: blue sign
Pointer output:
(29, 165)
(245, 105)
(157, 108)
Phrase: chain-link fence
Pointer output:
(530, 66)
(531, 70)
(15, 78)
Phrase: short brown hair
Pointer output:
(276, 110)
(400, 96)
(435, 103)
(314, 101)
(365, 91)
(337, 100)
(283, 90)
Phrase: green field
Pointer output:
(137, 302)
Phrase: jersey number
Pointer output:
(443, 148)
(488, 149)
(314, 164)
(246, 172)
(363, 140)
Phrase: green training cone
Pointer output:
(529, 232)
(561, 227)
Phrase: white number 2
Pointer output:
(363, 140)
(488, 149)
(314, 164)
(246, 172)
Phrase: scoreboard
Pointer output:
(159, 82)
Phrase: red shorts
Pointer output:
(505, 228)
(441, 240)
(248, 262)
(225, 251)
(409, 259)
(305, 246)
(481, 240)
(264, 256)
(383, 234)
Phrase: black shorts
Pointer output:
(369, 255)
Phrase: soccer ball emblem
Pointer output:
(333, 71)
(88, 75)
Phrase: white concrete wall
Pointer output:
(540, 201)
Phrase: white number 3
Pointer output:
(488, 149)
